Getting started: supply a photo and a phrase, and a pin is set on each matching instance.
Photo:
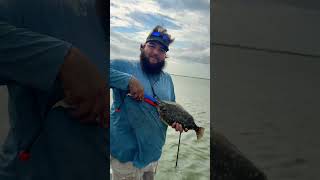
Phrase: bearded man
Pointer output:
(137, 134)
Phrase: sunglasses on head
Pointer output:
(162, 36)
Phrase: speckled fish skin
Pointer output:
(228, 163)
(171, 112)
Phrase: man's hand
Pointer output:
(135, 89)
(178, 127)
(84, 88)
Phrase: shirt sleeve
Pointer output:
(118, 78)
(29, 58)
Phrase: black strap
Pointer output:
(153, 93)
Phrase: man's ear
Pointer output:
(142, 46)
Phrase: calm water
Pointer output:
(268, 106)
(194, 156)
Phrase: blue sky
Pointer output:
(188, 21)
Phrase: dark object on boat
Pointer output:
(228, 163)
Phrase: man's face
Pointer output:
(152, 57)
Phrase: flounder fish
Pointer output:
(171, 112)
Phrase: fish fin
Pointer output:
(200, 133)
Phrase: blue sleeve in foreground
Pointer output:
(118, 76)
(29, 58)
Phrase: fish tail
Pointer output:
(199, 132)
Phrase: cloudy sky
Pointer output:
(188, 21)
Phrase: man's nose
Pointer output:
(156, 51)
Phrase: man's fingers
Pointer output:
(136, 89)
(180, 128)
(140, 97)
(135, 96)
(90, 117)
(134, 93)
(79, 111)
(176, 126)
(82, 94)
(142, 94)
(82, 110)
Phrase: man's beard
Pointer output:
(151, 68)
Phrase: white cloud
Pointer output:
(189, 21)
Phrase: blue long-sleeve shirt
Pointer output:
(136, 132)
(34, 39)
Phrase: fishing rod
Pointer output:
(178, 150)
